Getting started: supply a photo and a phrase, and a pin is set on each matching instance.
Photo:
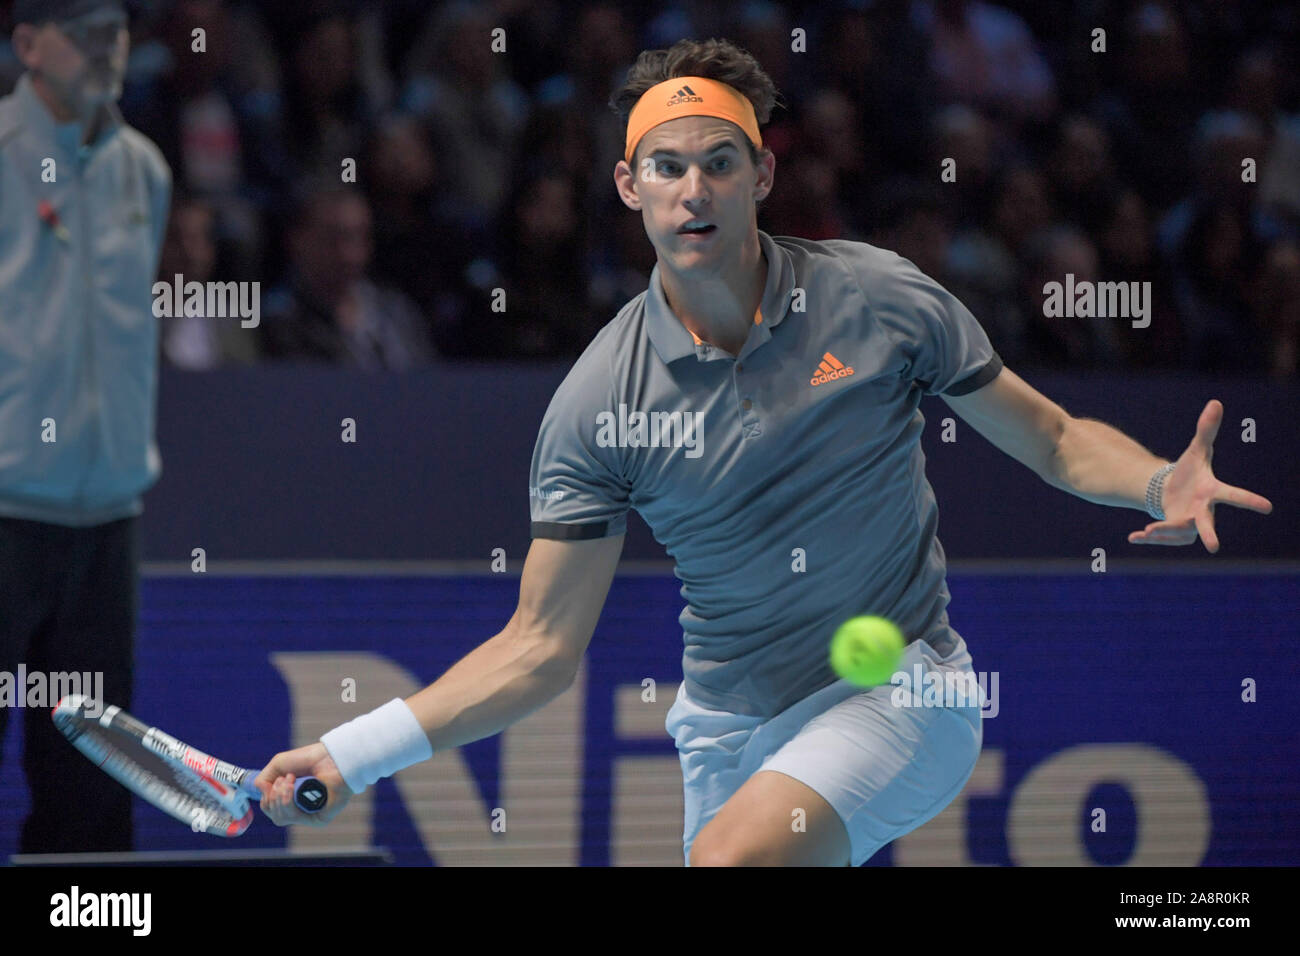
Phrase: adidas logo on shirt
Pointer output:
(829, 369)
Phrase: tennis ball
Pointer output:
(866, 650)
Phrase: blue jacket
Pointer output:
(78, 338)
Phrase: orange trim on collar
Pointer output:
(758, 320)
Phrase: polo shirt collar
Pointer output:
(67, 135)
(672, 340)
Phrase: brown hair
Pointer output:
(718, 60)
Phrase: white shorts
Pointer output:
(885, 769)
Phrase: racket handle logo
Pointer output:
(310, 795)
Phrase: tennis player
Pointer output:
(758, 406)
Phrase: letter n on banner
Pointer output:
(541, 771)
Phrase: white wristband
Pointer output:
(377, 744)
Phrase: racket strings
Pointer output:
(176, 791)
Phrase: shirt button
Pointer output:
(740, 366)
(746, 404)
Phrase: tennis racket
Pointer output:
(212, 796)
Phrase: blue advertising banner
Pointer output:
(1134, 718)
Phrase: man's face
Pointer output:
(695, 169)
(333, 248)
(83, 60)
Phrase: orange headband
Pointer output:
(689, 96)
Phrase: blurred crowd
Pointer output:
(1173, 157)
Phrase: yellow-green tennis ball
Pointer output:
(867, 650)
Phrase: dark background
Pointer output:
(253, 467)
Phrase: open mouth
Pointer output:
(697, 230)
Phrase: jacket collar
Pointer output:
(37, 117)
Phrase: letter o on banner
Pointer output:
(1044, 819)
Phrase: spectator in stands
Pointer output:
(763, 28)
(831, 129)
(1280, 308)
(878, 59)
(1126, 244)
(543, 262)
(596, 59)
(1081, 172)
(327, 309)
(1153, 108)
(462, 90)
(808, 202)
(1257, 91)
(190, 250)
(419, 248)
(912, 219)
(1074, 343)
(327, 106)
(985, 56)
(216, 115)
(1216, 272)
(960, 134)
(621, 262)
(985, 264)
(1222, 140)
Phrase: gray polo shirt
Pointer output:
(787, 483)
(78, 339)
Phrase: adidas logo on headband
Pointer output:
(684, 95)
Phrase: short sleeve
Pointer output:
(947, 349)
(575, 486)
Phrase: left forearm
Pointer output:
(1101, 464)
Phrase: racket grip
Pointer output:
(309, 794)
